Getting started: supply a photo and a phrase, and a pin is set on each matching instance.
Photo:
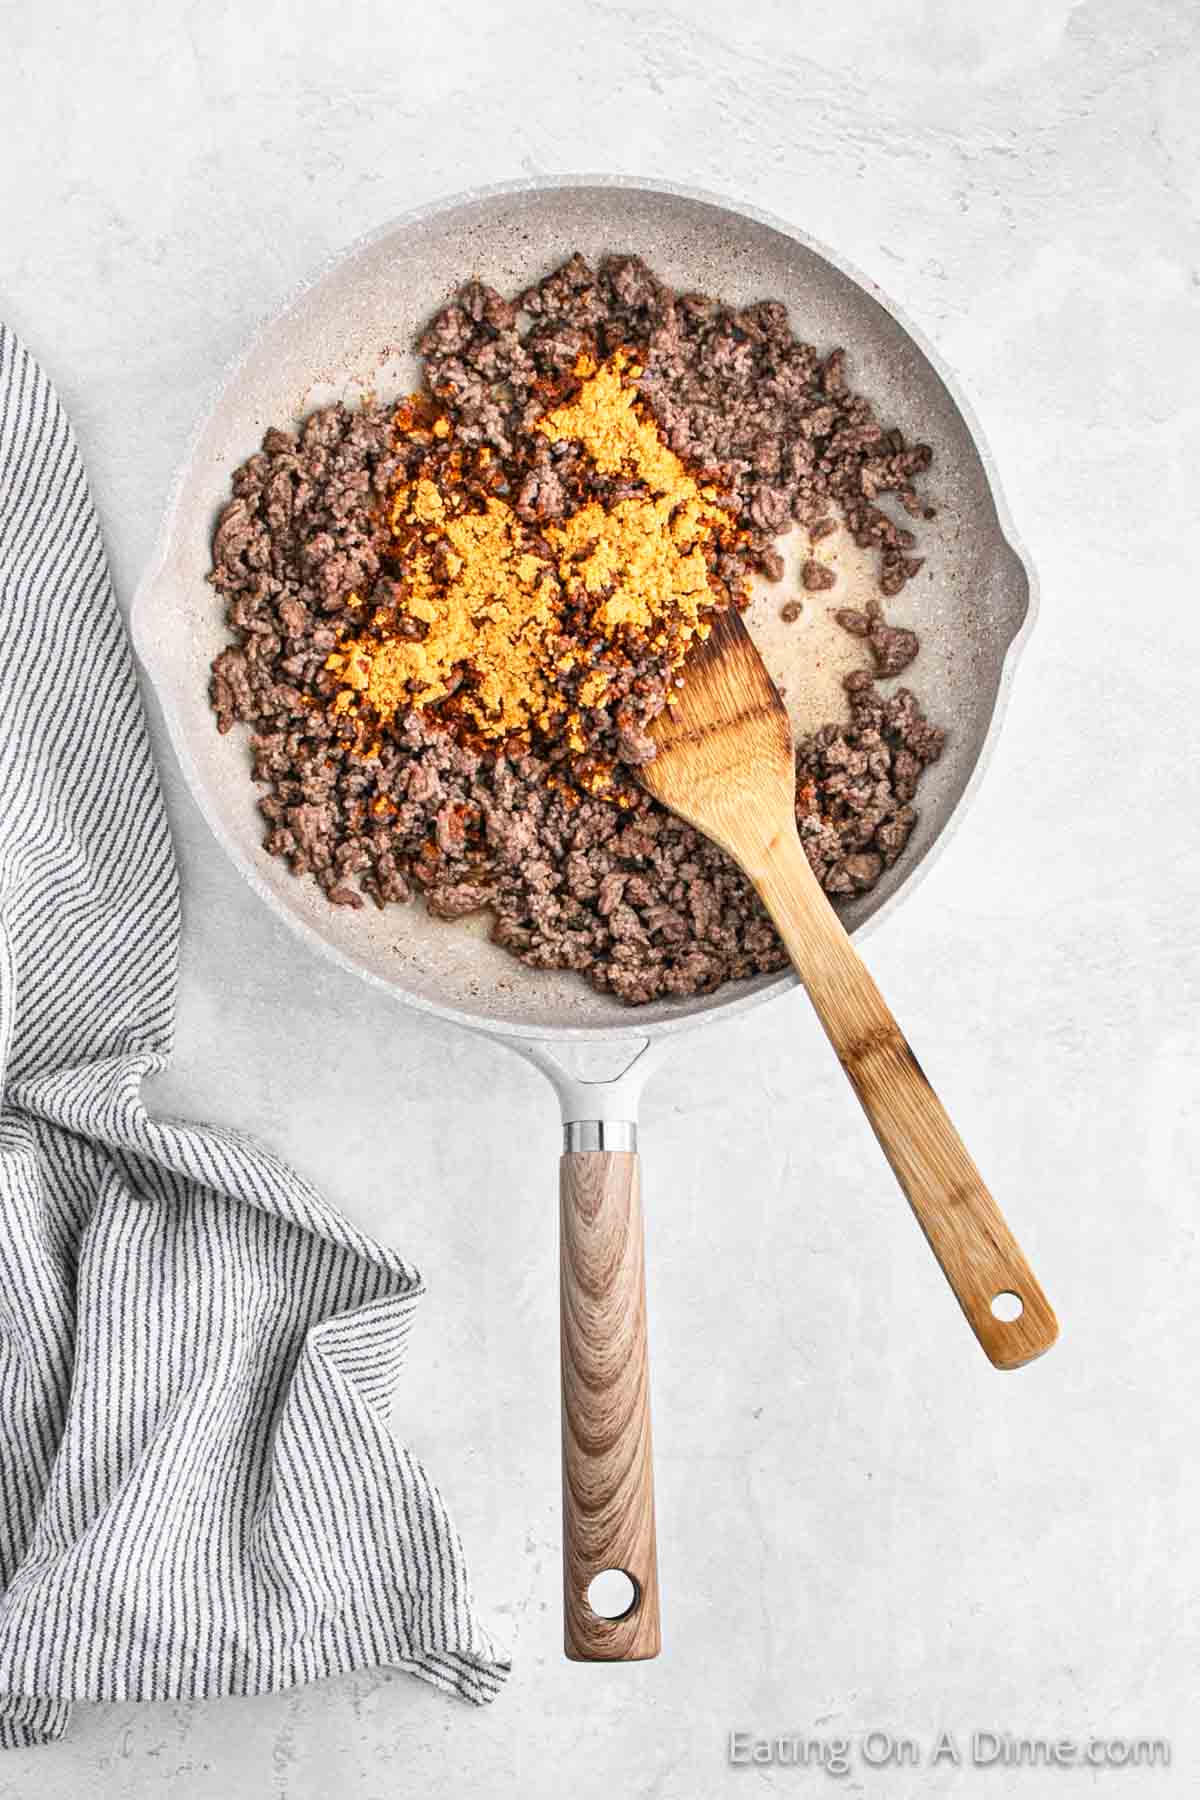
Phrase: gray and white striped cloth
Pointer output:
(199, 1491)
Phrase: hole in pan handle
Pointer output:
(612, 1594)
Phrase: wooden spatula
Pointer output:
(726, 763)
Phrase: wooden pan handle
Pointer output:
(979, 1255)
(608, 1476)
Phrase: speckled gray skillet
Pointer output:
(351, 330)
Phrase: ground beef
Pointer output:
(735, 392)
(815, 576)
(893, 647)
(613, 887)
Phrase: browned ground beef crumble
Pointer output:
(615, 888)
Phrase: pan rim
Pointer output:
(737, 1004)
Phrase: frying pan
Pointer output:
(350, 332)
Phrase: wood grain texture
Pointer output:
(608, 1475)
(725, 763)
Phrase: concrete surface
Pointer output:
(862, 1526)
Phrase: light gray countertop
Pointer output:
(861, 1524)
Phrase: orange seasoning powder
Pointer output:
(488, 602)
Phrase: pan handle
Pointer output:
(607, 1464)
(607, 1467)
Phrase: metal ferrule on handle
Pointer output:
(599, 1134)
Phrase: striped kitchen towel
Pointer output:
(199, 1490)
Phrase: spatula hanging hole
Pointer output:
(612, 1594)
(1006, 1307)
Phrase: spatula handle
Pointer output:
(978, 1253)
(608, 1474)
